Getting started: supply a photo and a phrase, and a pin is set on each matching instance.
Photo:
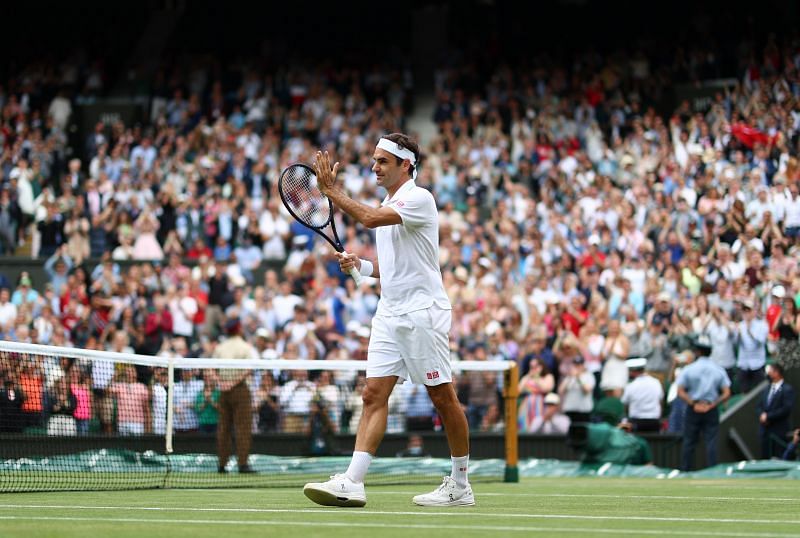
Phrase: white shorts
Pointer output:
(411, 346)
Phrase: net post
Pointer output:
(510, 394)
(170, 393)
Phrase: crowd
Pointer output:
(579, 228)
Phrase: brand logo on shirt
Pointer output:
(400, 203)
(432, 375)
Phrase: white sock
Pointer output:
(460, 470)
(358, 466)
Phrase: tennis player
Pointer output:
(409, 338)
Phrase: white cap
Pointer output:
(263, 332)
(636, 363)
(353, 326)
(363, 332)
(492, 327)
(779, 292)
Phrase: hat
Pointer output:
(636, 363)
(263, 333)
(461, 273)
(353, 326)
(702, 343)
(485, 262)
(492, 327)
(594, 239)
(779, 291)
(269, 355)
(233, 325)
(664, 296)
(748, 304)
(363, 332)
(552, 399)
(25, 281)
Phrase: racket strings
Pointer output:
(304, 197)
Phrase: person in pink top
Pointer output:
(133, 412)
(80, 385)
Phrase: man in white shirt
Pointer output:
(643, 397)
(409, 336)
(183, 308)
(752, 332)
(8, 311)
(791, 215)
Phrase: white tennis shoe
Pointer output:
(448, 494)
(338, 491)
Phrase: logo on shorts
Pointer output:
(432, 375)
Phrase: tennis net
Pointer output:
(75, 419)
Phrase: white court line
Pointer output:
(545, 495)
(398, 526)
(601, 496)
(461, 513)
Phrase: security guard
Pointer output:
(703, 385)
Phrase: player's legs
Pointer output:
(384, 366)
(347, 489)
(423, 339)
(372, 425)
(455, 421)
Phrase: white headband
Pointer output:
(402, 153)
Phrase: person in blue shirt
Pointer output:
(703, 385)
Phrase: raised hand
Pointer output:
(326, 174)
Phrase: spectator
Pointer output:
(552, 421)
(159, 401)
(187, 391)
(774, 410)
(419, 410)
(206, 404)
(643, 397)
(133, 407)
(62, 408)
(575, 392)
(295, 400)
(533, 387)
(80, 388)
(752, 334)
(266, 404)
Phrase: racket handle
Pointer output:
(356, 276)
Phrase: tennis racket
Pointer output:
(302, 197)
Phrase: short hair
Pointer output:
(778, 368)
(405, 141)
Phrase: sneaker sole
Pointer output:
(459, 502)
(326, 498)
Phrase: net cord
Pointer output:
(259, 364)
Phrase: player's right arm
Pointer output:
(347, 261)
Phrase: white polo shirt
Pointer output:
(408, 254)
(643, 397)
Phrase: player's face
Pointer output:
(388, 172)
